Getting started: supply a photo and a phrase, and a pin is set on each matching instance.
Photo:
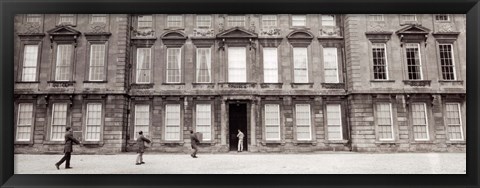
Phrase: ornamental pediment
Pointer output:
(412, 30)
(300, 34)
(237, 32)
(174, 35)
(63, 30)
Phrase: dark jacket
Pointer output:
(194, 140)
(69, 140)
(141, 143)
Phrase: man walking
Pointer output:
(194, 141)
(141, 147)
(240, 140)
(68, 149)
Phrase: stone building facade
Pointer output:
(291, 83)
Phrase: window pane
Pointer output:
(413, 62)
(376, 17)
(145, 22)
(97, 61)
(24, 121)
(142, 119)
(379, 61)
(442, 17)
(94, 119)
(446, 61)
(204, 20)
(453, 120)
(269, 21)
(270, 65)
(234, 21)
(409, 17)
(302, 120)
(64, 58)
(272, 122)
(203, 65)
(419, 120)
(204, 120)
(66, 18)
(174, 66)
(330, 65)
(384, 121)
(99, 18)
(334, 122)
(172, 122)
(328, 20)
(237, 65)
(143, 65)
(299, 20)
(59, 121)
(34, 18)
(174, 21)
(30, 56)
(300, 60)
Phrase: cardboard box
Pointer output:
(199, 136)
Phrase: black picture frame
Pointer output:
(9, 8)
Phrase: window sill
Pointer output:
(88, 143)
(417, 82)
(61, 83)
(173, 84)
(29, 143)
(451, 81)
(302, 85)
(27, 82)
(271, 85)
(300, 27)
(386, 142)
(210, 142)
(61, 142)
(455, 142)
(298, 142)
(164, 142)
(336, 141)
(392, 81)
(422, 142)
(203, 85)
(88, 81)
(141, 86)
(333, 85)
(237, 85)
(273, 142)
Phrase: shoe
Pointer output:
(58, 166)
(138, 163)
(142, 163)
(68, 167)
(194, 156)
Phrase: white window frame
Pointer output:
(391, 121)
(268, 19)
(98, 18)
(207, 128)
(145, 22)
(424, 106)
(148, 63)
(454, 71)
(296, 69)
(203, 19)
(459, 118)
(296, 19)
(384, 47)
(417, 45)
(437, 20)
(309, 121)
(69, 56)
(100, 62)
(167, 124)
(61, 127)
(28, 107)
(175, 21)
(30, 62)
(88, 124)
(331, 125)
(272, 125)
(270, 65)
(62, 19)
(404, 16)
(208, 56)
(374, 17)
(333, 68)
(326, 19)
(145, 125)
(33, 18)
(171, 77)
(236, 21)
(237, 67)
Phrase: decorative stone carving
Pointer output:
(203, 32)
(376, 27)
(445, 28)
(221, 27)
(333, 85)
(143, 33)
(30, 28)
(330, 31)
(98, 28)
(252, 27)
(417, 83)
(270, 32)
(61, 84)
(203, 85)
(271, 85)
(141, 86)
(237, 85)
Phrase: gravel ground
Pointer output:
(249, 163)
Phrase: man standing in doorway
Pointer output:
(194, 141)
(68, 149)
(240, 140)
(141, 147)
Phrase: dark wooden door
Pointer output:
(237, 120)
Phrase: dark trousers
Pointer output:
(194, 150)
(66, 158)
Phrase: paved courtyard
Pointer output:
(249, 163)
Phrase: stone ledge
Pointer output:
(417, 82)
(336, 142)
(333, 85)
(304, 142)
(272, 142)
(271, 85)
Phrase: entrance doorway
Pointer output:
(237, 118)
